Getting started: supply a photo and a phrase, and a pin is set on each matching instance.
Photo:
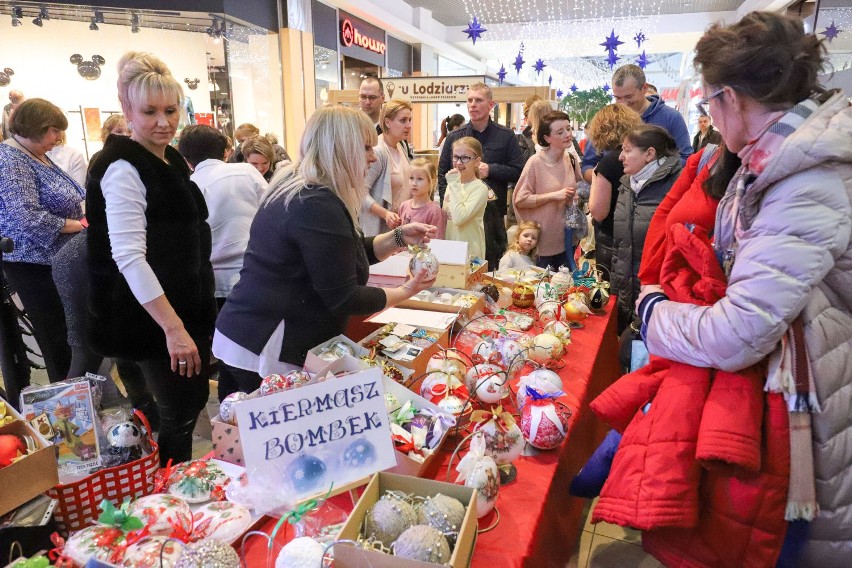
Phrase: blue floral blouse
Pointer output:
(35, 200)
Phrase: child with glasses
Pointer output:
(466, 197)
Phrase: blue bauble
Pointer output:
(306, 473)
(359, 453)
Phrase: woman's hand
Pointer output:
(417, 284)
(563, 194)
(183, 352)
(416, 233)
(71, 226)
(392, 220)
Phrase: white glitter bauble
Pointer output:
(208, 554)
(302, 552)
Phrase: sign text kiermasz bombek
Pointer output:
(336, 430)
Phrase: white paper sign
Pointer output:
(334, 431)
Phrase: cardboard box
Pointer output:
(453, 271)
(418, 365)
(314, 363)
(416, 304)
(475, 277)
(346, 556)
(226, 441)
(35, 474)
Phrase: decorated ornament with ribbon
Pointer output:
(479, 471)
(152, 552)
(227, 410)
(119, 517)
(561, 280)
(422, 258)
(448, 361)
(220, 520)
(558, 328)
(504, 441)
(523, 295)
(434, 423)
(545, 347)
(487, 382)
(198, 481)
(542, 381)
(543, 423)
(96, 542)
(163, 514)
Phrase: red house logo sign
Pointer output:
(350, 35)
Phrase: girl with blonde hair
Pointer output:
(387, 179)
(306, 267)
(151, 281)
(422, 206)
(466, 197)
(523, 251)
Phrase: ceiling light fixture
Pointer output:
(17, 14)
(134, 23)
(43, 13)
(94, 25)
(37, 21)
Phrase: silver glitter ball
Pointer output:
(208, 554)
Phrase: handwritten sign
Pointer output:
(336, 430)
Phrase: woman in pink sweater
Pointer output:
(546, 186)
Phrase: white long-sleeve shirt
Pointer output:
(71, 161)
(233, 193)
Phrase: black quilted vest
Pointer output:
(178, 251)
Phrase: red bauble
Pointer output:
(544, 424)
(10, 445)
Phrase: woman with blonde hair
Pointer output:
(151, 282)
(260, 153)
(306, 266)
(387, 180)
(606, 131)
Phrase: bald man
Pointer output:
(15, 99)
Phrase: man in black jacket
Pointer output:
(501, 163)
(706, 134)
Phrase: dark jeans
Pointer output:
(179, 402)
(495, 234)
(603, 251)
(35, 287)
(233, 379)
(554, 261)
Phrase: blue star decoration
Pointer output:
(642, 61)
(539, 66)
(574, 88)
(612, 42)
(519, 62)
(606, 87)
(831, 32)
(559, 94)
(501, 74)
(474, 29)
(639, 38)
(612, 59)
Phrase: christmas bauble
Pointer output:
(302, 552)
(576, 309)
(124, 435)
(454, 405)
(146, 553)
(306, 473)
(485, 478)
(491, 291)
(545, 347)
(388, 518)
(96, 542)
(562, 280)
(227, 411)
(465, 301)
(549, 311)
(221, 520)
(599, 296)
(437, 383)
(485, 348)
(559, 329)
(487, 382)
(448, 362)
(423, 543)
(523, 296)
(423, 422)
(544, 424)
(359, 453)
(544, 292)
(197, 480)
(208, 554)
(273, 383)
(423, 259)
(443, 513)
(504, 444)
(543, 381)
(162, 513)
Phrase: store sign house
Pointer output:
(353, 35)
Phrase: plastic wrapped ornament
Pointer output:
(96, 542)
(306, 473)
(423, 543)
(513, 355)
(523, 295)
(443, 513)
(562, 280)
(221, 520)
(576, 309)
(543, 381)
(545, 347)
(504, 441)
(227, 412)
(125, 440)
(273, 383)
(544, 292)
(208, 554)
(478, 470)
(422, 259)
(559, 329)
(335, 351)
(543, 423)
(388, 518)
(162, 513)
(504, 299)
(301, 552)
(550, 311)
(391, 402)
(437, 383)
(487, 382)
(196, 481)
(485, 349)
(599, 296)
(146, 553)
(448, 362)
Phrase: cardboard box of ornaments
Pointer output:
(30, 476)
(350, 557)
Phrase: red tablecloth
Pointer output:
(539, 521)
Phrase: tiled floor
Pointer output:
(610, 546)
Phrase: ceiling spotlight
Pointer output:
(17, 14)
(99, 17)
(37, 21)
(223, 29)
(43, 13)
(213, 30)
(94, 25)
(134, 23)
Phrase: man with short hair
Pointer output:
(650, 90)
(15, 99)
(371, 97)
(233, 193)
(502, 163)
(706, 133)
(628, 88)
